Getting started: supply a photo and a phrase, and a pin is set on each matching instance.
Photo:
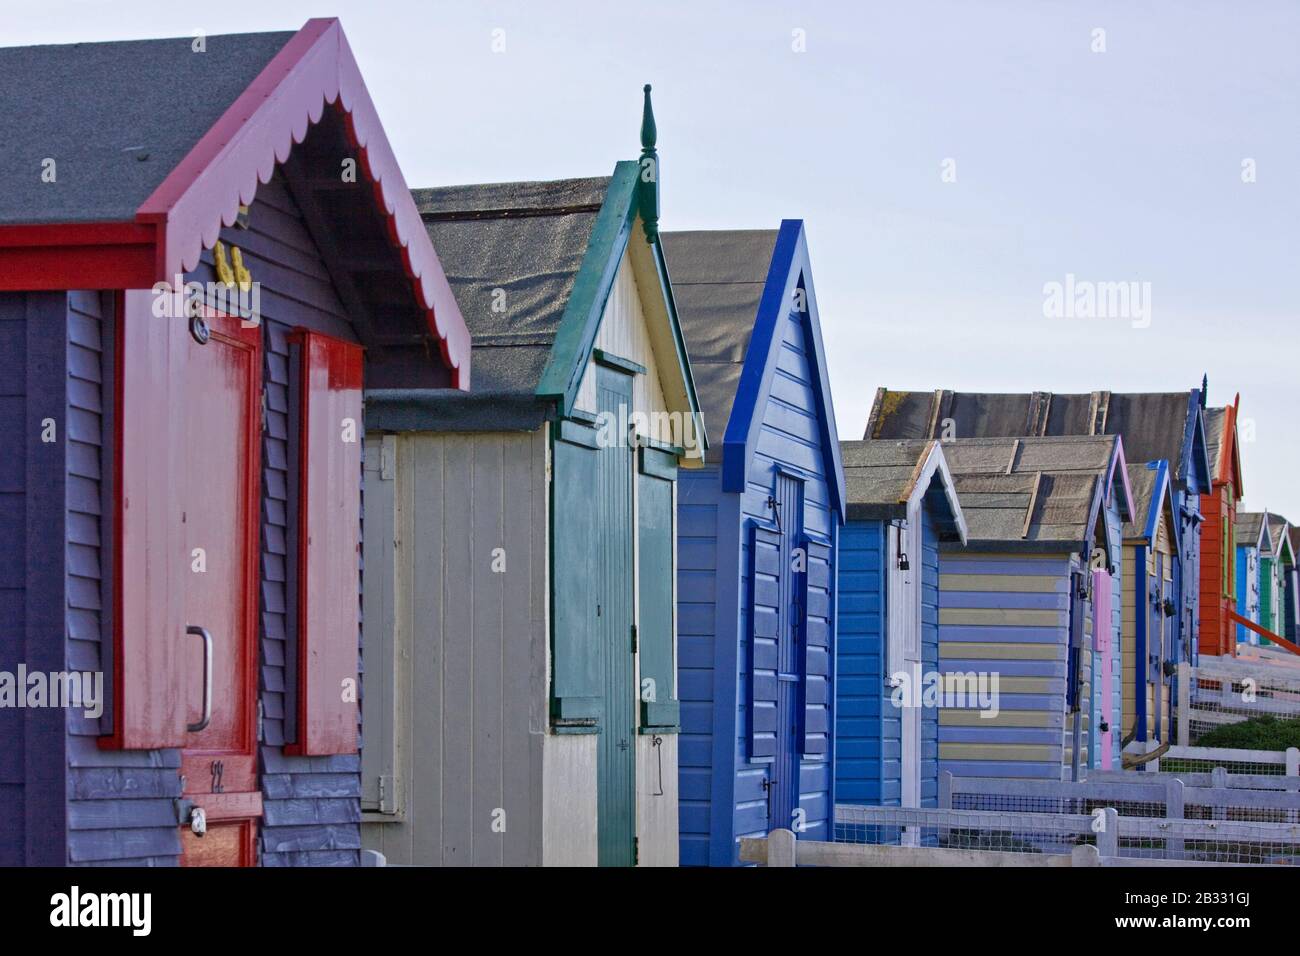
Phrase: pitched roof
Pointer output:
(1251, 528)
(1155, 425)
(116, 118)
(1279, 533)
(882, 477)
(1037, 493)
(511, 252)
(1145, 484)
(718, 278)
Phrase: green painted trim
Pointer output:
(677, 451)
(660, 714)
(679, 344)
(658, 464)
(585, 417)
(576, 336)
(561, 731)
(576, 433)
(618, 362)
(662, 731)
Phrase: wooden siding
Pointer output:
(623, 333)
(1217, 634)
(472, 643)
(706, 553)
(868, 728)
(1020, 631)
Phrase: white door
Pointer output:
(904, 612)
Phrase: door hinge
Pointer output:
(388, 458)
(636, 851)
(387, 794)
(633, 638)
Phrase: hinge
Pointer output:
(636, 851)
(633, 638)
(261, 717)
(388, 458)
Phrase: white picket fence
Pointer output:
(1223, 691)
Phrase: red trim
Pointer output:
(91, 255)
(1262, 632)
(222, 171)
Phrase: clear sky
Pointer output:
(1117, 166)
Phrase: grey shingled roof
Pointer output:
(1249, 526)
(1215, 420)
(880, 477)
(718, 279)
(1153, 424)
(1034, 493)
(115, 117)
(526, 240)
(1142, 480)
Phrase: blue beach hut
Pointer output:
(757, 530)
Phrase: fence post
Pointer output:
(780, 848)
(945, 802)
(1221, 798)
(1174, 810)
(1085, 855)
(1108, 838)
(1184, 704)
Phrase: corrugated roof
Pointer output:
(1153, 424)
(718, 278)
(511, 252)
(115, 118)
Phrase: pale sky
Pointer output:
(1117, 166)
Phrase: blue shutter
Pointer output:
(815, 631)
(766, 587)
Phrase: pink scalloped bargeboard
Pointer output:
(315, 69)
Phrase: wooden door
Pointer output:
(616, 756)
(909, 612)
(219, 498)
(1102, 626)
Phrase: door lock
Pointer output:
(198, 821)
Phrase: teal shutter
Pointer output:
(765, 588)
(575, 652)
(815, 606)
(655, 532)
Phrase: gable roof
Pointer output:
(157, 146)
(1152, 501)
(511, 252)
(1279, 532)
(881, 478)
(1252, 530)
(1155, 425)
(1042, 494)
(734, 290)
(718, 278)
(1221, 443)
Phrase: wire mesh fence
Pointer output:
(1228, 693)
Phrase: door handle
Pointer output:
(207, 677)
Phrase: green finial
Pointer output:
(648, 131)
(648, 186)
(1205, 389)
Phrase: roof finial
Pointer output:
(648, 131)
(648, 174)
(1205, 389)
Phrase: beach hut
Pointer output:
(757, 532)
(1151, 554)
(520, 539)
(902, 506)
(1275, 564)
(1218, 635)
(1029, 610)
(1253, 543)
(215, 254)
(1291, 589)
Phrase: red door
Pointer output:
(219, 664)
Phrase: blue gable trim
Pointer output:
(1164, 496)
(790, 269)
(1196, 455)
